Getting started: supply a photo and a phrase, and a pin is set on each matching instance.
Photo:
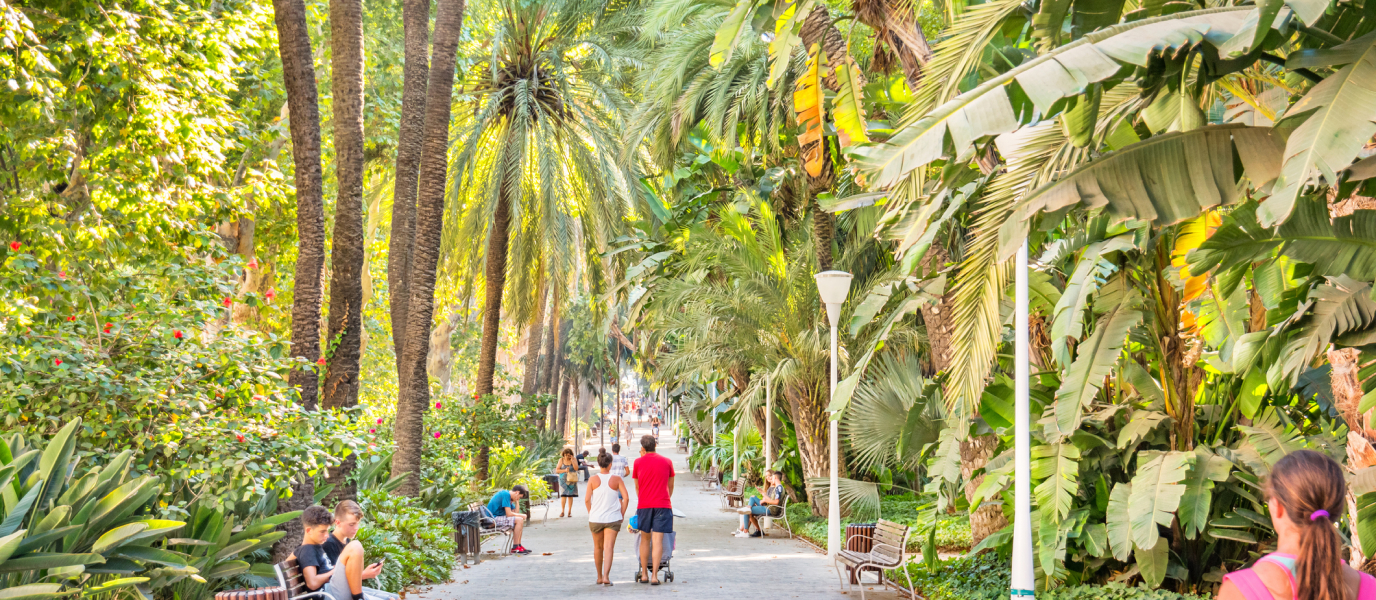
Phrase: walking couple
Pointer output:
(608, 498)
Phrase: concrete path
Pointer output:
(708, 563)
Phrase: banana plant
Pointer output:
(67, 527)
(213, 552)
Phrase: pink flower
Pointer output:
(61, 274)
(379, 420)
(271, 294)
(228, 301)
(437, 435)
(372, 431)
(438, 405)
(253, 264)
(15, 246)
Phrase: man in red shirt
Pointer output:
(654, 483)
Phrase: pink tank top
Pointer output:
(1252, 588)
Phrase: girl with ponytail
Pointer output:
(1306, 494)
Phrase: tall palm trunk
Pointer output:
(414, 398)
(807, 405)
(346, 283)
(415, 17)
(561, 411)
(534, 339)
(494, 283)
(548, 380)
(298, 73)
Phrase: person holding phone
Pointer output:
(346, 553)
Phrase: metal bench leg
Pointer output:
(911, 591)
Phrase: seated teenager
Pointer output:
(346, 552)
(316, 567)
(759, 507)
(503, 508)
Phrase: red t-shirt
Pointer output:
(652, 473)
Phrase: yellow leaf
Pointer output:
(807, 103)
(1192, 234)
(848, 108)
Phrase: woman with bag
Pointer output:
(1306, 493)
(606, 504)
(567, 470)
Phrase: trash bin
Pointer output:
(860, 538)
(467, 540)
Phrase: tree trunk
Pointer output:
(807, 407)
(346, 271)
(415, 16)
(298, 74)
(535, 334)
(552, 351)
(415, 397)
(494, 283)
(561, 412)
(897, 29)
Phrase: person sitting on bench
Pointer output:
(759, 507)
(503, 509)
(342, 572)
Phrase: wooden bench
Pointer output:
(683, 444)
(889, 551)
(290, 578)
(732, 494)
(495, 531)
(712, 478)
(779, 512)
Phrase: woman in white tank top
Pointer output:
(606, 503)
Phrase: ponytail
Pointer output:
(1311, 488)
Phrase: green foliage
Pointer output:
(417, 543)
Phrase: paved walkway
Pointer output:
(708, 564)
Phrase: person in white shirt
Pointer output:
(607, 502)
(620, 466)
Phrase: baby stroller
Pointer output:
(666, 573)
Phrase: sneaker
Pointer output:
(740, 534)
(743, 511)
(520, 550)
(757, 534)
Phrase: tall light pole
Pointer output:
(768, 422)
(833, 287)
(1023, 583)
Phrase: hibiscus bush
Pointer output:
(145, 355)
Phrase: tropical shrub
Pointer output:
(418, 544)
(144, 360)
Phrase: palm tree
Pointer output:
(541, 144)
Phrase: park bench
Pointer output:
(549, 498)
(732, 494)
(778, 512)
(682, 444)
(290, 578)
(888, 551)
(713, 478)
(486, 531)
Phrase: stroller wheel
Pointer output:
(669, 576)
(637, 576)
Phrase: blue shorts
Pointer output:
(655, 520)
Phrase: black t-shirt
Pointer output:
(333, 547)
(314, 555)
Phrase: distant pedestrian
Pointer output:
(654, 485)
(567, 470)
(606, 504)
(1306, 493)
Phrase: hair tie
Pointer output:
(1314, 516)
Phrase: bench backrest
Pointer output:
(734, 486)
(290, 578)
(890, 539)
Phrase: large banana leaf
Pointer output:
(1223, 320)
(1063, 72)
(807, 103)
(848, 107)
(1272, 438)
(1153, 562)
(1208, 468)
(1166, 179)
(1156, 493)
(1056, 468)
(1095, 360)
(729, 34)
(1341, 311)
(1341, 118)
(34, 591)
(1084, 281)
(1120, 522)
(1342, 246)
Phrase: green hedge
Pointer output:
(418, 544)
(985, 577)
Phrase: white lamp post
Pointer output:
(768, 422)
(833, 287)
(1023, 584)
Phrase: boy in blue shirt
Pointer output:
(503, 507)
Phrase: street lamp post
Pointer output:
(833, 287)
(1023, 583)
